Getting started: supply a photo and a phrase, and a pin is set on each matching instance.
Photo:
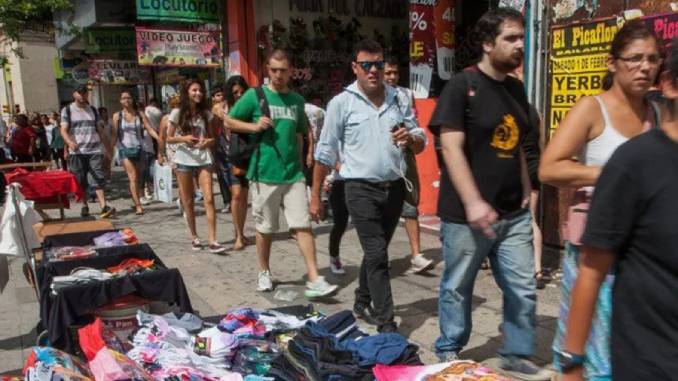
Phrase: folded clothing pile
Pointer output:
(167, 350)
(243, 322)
(82, 275)
(334, 349)
(69, 253)
(124, 237)
(118, 238)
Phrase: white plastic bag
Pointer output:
(162, 182)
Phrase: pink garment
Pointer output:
(453, 371)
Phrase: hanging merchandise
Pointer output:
(444, 30)
(422, 47)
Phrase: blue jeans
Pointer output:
(511, 256)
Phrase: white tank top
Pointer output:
(598, 151)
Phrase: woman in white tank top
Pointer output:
(592, 131)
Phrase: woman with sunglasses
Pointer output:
(592, 131)
(127, 134)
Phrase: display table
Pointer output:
(48, 189)
(73, 305)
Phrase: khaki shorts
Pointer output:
(269, 199)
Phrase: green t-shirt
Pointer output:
(277, 160)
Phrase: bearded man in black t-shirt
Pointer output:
(481, 119)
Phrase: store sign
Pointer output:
(422, 46)
(178, 10)
(159, 47)
(109, 40)
(118, 72)
(392, 9)
(444, 33)
(578, 64)
(665, 27)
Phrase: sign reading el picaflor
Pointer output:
(197, 11)
(160, 47)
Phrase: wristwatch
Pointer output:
(567, 361)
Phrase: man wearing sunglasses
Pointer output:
(370, 124)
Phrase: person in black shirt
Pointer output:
(482, 118)
(632, 225)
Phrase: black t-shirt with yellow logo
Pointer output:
(493, 115)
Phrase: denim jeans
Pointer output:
(375, 211)
(511, 256)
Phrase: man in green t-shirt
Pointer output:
(275, 169)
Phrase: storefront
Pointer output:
(423, 34)
(580, 38)
(152, 48)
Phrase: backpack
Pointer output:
(241, 148)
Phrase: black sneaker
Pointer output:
(388, 328)
(365, 313)
(107, 211)
(84, 212)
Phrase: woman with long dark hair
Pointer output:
(592, 131)
(127, 133)
(23, 140)
(191, 128)
(238, 184)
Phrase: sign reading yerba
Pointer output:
(178, 10)
(578, 64)
(118, 72)
(159, 47)
(109, 40)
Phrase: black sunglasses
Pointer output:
(367, 65)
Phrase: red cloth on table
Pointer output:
(45, 186)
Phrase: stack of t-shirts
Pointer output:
(117, 238)
(334, 349)
(69, 253)
(83, 275)
(167, 351)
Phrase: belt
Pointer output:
(379, 184)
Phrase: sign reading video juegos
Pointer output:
(160, 47)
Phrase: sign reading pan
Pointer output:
(178, 10)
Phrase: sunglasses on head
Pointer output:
(367, 65)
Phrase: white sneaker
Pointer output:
(419, 264)
(336, 266)
(319, 288)
(264, 281)
(145, 200)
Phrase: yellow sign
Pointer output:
(578, 64)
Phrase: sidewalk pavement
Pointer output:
(219, 283)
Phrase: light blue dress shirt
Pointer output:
(361, 133)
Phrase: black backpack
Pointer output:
(242, 147)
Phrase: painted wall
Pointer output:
(34, 85)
